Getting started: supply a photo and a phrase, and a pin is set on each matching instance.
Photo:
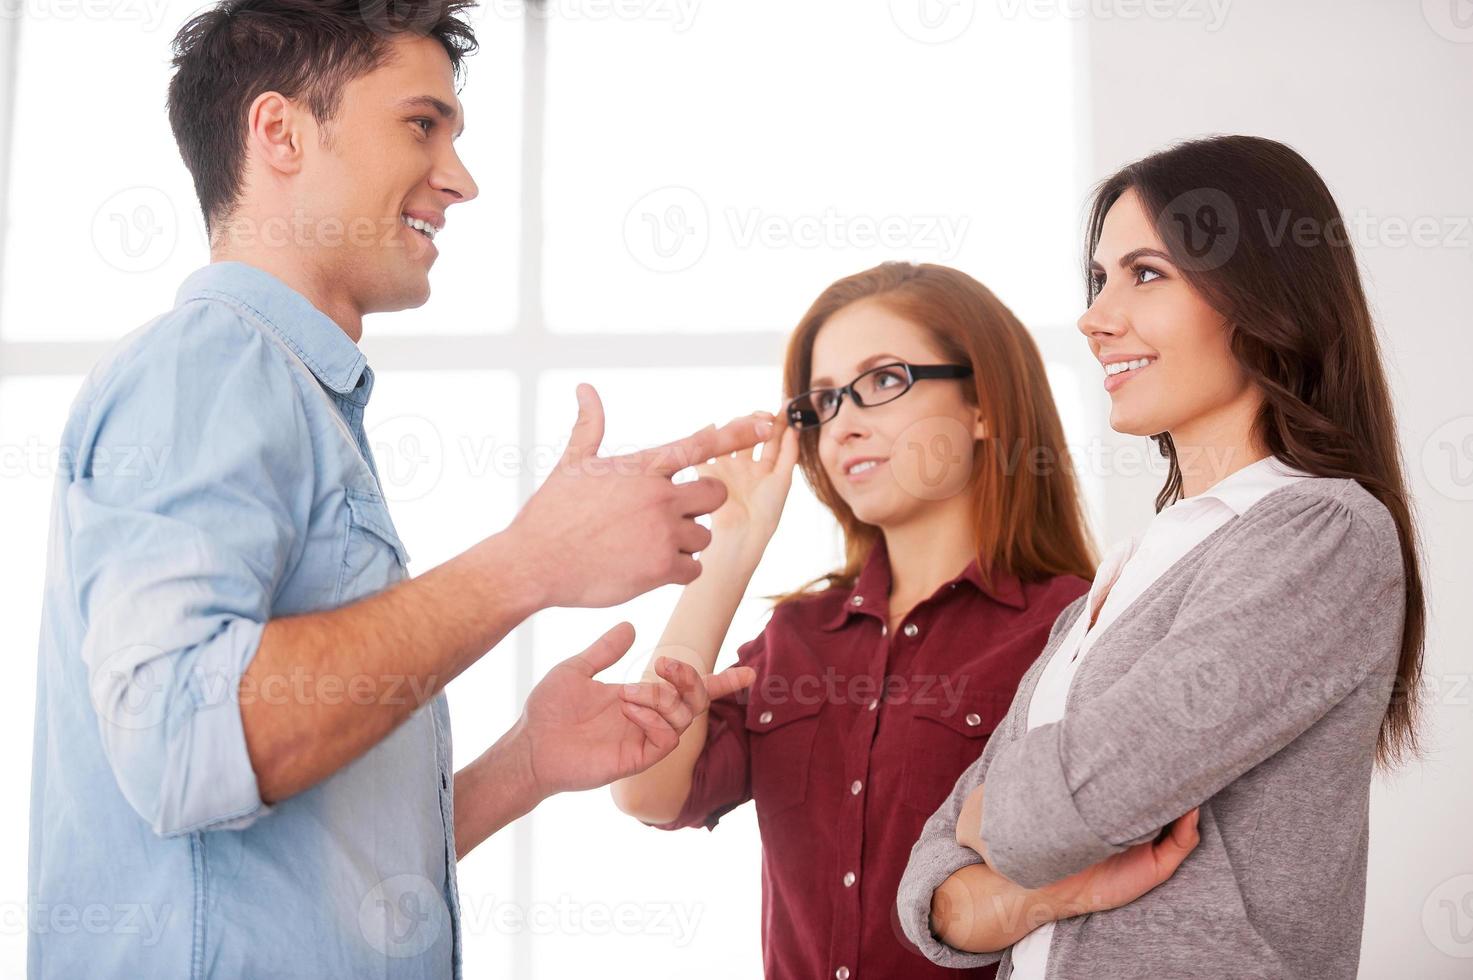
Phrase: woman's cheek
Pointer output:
(932, 459)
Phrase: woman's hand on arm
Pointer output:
(741, 528)
(978, 910)
(1122, 878)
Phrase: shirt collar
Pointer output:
(315, 337)
(1242, 489)
(872, 588)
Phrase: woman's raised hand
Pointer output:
(1125, 877)
(756, 489)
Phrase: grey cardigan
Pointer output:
(1251, 679)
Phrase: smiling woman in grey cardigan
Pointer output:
(1181, 789)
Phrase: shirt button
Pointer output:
(911, 629)
(765, 717)
(974, 719)
(842, 973)
(849, 879)
(874, 704)
(884, 629)
(855, 787)
(858, 600)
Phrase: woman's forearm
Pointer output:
(977, 910)
(694, 635)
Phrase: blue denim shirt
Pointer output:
(214, 473)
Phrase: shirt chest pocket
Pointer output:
(781, 728)
(946, 735)
(373, 556)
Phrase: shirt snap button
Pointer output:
(911, 629)
(848, 879)
(874, 704)
(765, 717)
(842, 973)
(974, 719)
(858, 600)
(855, 787)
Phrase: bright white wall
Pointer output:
(1372, 93)
(1375, 94)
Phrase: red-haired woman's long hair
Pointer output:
(1027, 517)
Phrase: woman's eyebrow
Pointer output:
(1129, 258)
(864, 365)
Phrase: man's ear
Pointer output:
(277, 128)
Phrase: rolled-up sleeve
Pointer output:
(191, 478)
(1270, 637)
(722, 778)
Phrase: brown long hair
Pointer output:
(1253, 228)
(1027, 516)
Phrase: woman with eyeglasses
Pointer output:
(1223, 694)
(920, 413)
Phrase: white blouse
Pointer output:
(1127, 570)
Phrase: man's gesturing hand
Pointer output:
(580, 733)
(606, 529)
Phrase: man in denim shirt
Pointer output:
(242, 751)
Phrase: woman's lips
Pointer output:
(1113, 381)
(865, 473)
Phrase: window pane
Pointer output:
(129, 229)
(685, 903)
(716, 172)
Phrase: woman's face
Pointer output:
(921, 443)
(1144, 310)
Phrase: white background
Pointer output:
(666, 185)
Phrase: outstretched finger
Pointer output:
(588, 430)
(605, 652)
(729, 681)
(710, 442)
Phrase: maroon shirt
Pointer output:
(849, 739)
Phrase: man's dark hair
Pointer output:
(304, 49)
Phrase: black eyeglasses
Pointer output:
(876, 386)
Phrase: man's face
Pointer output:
(390, 155)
